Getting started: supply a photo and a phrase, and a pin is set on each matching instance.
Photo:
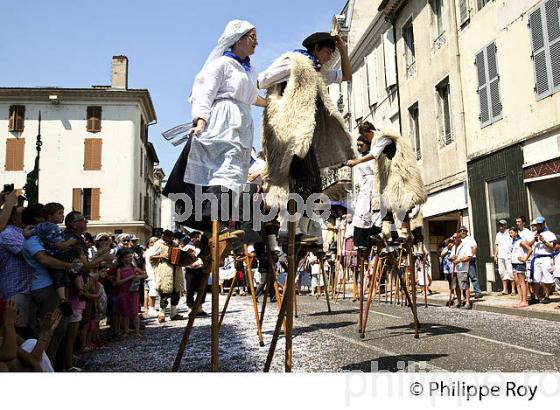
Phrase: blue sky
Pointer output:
(69, 43)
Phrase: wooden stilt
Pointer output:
(413, 290)
(271, 278)
(248, 262)
(292, 265)
(231, 289)
(362, 266)
(326, 286)
(215, 332)
(190, 323)
(391, 284)
(371, 294)
(276, 334)
(425, 278)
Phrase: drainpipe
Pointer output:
(392, 21)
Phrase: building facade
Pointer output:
(510, 52)
(95, 155)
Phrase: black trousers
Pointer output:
(175, 296)
(193, 278)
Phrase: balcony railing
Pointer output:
(336, 175)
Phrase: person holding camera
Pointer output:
(8, 201)
(544, 250)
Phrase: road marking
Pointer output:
(505, 344)
(377, 349)
(385, 314)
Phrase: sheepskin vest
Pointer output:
(169, 278)
(400, 179)
(300, 114)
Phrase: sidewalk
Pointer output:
(491, 302)
(494, 302)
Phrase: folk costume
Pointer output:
(302, 131)
(218, 160)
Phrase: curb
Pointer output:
(554, 317)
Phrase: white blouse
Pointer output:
(279, 71)
(223, 78)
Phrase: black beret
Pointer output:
(316, 38)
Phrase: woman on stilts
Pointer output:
(215, 160)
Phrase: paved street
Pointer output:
(450, 340)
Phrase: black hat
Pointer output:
(316, 38)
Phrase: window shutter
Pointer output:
(538, 41)
(552, 10)
(494, 82)
(94, 119)
(463, 11)
(20, 118)
(146, 207)
(14, 154)
(12, 122)
(17, 118)
(77, 199)
(389, 54)
(95, 194)
(482, 89)
(92, 154)
(373, 92)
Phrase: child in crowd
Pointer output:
(127, 286)
(90, 328)
(519, 265)
(52, 239)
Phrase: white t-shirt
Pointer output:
(503, 240)
(470, 241)
(279, 72)
(540, 249)
(517, 250)
(462, 251)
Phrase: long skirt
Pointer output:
(213, 166)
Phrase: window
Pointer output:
(371, 63)
(544, 23)
(482, 3)
(92, 154)
(444, 112)
(497, 203)
(545, 200)
(17, 118)
(146, 208)
(141, 161)
(414, 115)
(408, 35)
(439, 23)
(94, 119)
(86, 201)
(14, 154)
(464, 11)
(488, 85)
(143, 130)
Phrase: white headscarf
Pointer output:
(234, 30)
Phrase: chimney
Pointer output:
(119, 73)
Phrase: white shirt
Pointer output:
(503, 240)
(257, 168)
(517, 251)
(151, 251)
(379, 146)
(526, 234)
(363, 215)
(223, 78)
(470, 241)
(279, 72)
(462, 251)
(540, 249)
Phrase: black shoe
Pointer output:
(479, 296)
(65, 308)
(545, 301)
(201, 313)
(532, 301)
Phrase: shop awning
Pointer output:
(446, 201)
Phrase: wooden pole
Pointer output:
(288, 293)
(326, 286)
(425, 278)
(362, 266)
(230, 292)
(192, 317)
(215, 296)
(248, 262)
(413, 289)
(371, 295)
